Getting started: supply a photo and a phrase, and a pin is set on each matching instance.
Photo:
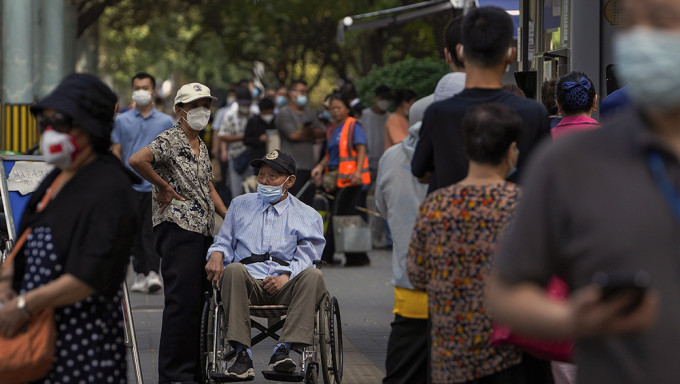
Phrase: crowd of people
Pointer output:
(490, 197)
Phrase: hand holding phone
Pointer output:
(633, 284)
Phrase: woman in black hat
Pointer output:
(77, 230)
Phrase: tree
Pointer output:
(216, 42)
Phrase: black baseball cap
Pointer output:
(280, 161)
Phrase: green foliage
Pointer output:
(419, 75)
(216, 42)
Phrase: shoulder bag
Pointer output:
(28, 355)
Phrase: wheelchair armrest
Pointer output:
(319, 263)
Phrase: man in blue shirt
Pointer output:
(264, 254)
(133, 130)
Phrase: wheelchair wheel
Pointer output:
(206, 337)
(214, 347)
(331, 343)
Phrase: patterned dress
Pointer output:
(450, 255)
(89, 345)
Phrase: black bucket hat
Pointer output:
(86, 99)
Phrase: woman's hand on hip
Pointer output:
(165, 196)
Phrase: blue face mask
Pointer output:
(301, 100)
(647, 61)
(256, 93)
(281, 101)
(271, 193)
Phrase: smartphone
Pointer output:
(614, 284)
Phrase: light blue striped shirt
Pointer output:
(289, 230)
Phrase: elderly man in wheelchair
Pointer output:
(264, 255)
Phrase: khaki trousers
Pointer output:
(302, 294)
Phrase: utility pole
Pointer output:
(18, 126)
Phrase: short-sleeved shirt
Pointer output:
(189, 175)
(450, 256)
(440, 149)
(289, 122)
(133, 132)
(333, 145)
(234, 124)
(591, 204)
(374, 127)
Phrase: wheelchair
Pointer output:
(322, 358)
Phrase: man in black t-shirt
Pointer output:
(487, 52)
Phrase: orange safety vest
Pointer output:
(348, 157)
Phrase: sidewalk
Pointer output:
(365, 297)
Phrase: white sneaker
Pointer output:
(153, 282)
(140, 284)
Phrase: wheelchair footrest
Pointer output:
(222, 378)
(281, 376)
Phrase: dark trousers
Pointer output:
(145, 258)
(530, 371)
(406, 361)
(183, 261)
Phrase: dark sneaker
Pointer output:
(242, 369)
(280, 362)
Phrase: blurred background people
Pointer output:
(396, 126)
(451, 254)
(373, 121)
(605, 202)
(345, 164)
(299, 128)
(548, 100)
(398, 195)
(231, 131)
(78, 227)
(576, 101)
(132, 131)
(255, 135)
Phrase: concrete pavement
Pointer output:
(365, 297)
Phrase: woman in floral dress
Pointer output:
(451, 254)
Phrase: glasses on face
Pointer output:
(59, 122)
(301, 91)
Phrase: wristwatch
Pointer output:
(21, 305)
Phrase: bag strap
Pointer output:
(41, 207)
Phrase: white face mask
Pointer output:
(383, 105)
(142, 97)
(244, 110)
(647, 61)
(267, 118)
(58, 149)
(198, 118)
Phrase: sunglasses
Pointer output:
(59, 122)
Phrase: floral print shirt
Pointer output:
(189, 175)
(450, 255)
